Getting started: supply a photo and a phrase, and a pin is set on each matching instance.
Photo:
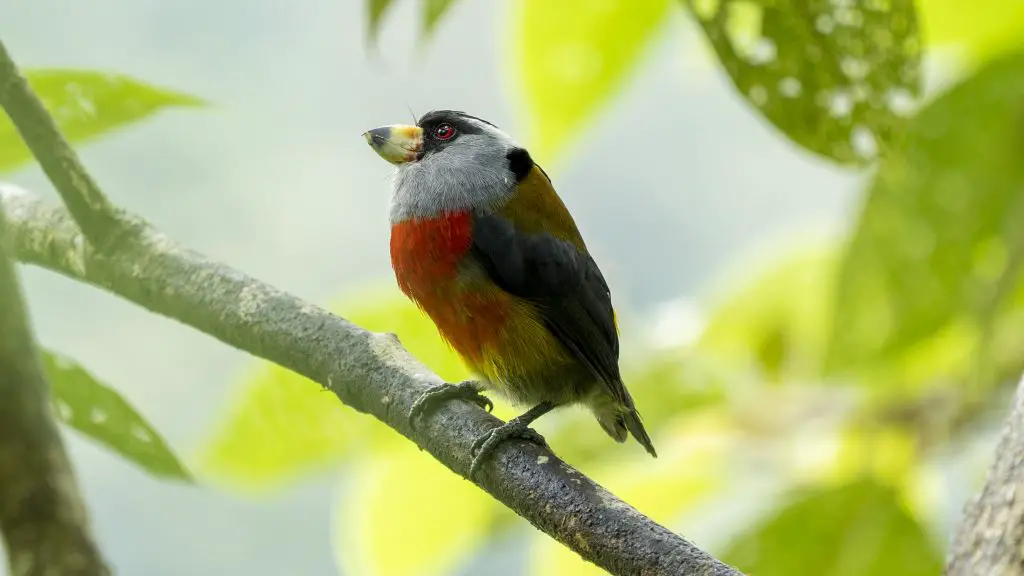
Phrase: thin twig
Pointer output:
(101, 221)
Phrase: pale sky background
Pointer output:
(277, 181)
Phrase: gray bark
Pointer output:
(42, 518)
(990, 538)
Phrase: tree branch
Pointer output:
(369, 372)
(101, 221)
(42, 517)
(990, 538)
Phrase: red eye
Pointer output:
(444, 132)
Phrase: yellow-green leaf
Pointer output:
(87, 104)
(404, 513)
(989, 28)
(281, 426)
(572, 56)
(101, 414)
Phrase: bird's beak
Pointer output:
(397, 144)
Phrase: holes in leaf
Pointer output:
(758, 95)
(790, 87)
(863, 142)
(141, 434)
(839, 57)
(743, 27)
(855, 68)
(825, 24)
(706, 9)
(64, 411)
(97, 416)
(839, 103)
(763, 51)
(900, 101)
(849, 17)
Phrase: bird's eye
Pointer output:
(444, 132)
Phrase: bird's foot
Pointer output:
(486, 443)
(468, 390)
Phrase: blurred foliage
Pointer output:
(437, 521)
(433, 11)
(375, 10)
(857, 529)
(773, 320)
(836, 77)
(939, 238)
(87, 104)
(571, 56)
(989, 28)
(84, 403)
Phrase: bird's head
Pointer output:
(449, 161)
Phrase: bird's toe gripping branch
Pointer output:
(468, 390)
(518, 427)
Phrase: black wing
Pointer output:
(564, 284)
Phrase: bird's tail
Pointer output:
(616, 422)
(636, 427)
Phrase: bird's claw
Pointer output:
(486, 443)
(467, 390)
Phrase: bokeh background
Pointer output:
(721, 237)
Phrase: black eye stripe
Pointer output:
(459, 121)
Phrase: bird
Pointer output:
(481, 242)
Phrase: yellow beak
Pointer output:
(397, 143)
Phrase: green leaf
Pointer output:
(99, 412)
(433, 11)
(375, 10)
(282, 426)
(406, 500)
(87, 104)
(572, 56)
(939, 237)
(836, 76)
(856, 529)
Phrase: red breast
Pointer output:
(425, 254)
(427, 251)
